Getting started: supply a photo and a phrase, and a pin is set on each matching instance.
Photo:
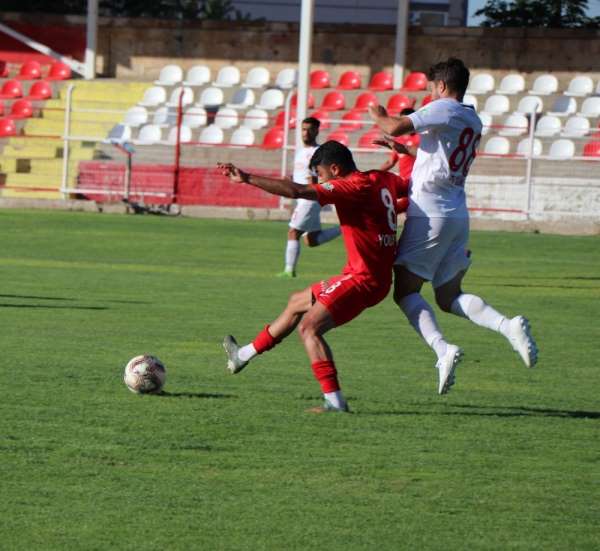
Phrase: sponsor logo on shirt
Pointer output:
(327, 186)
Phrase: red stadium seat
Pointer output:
(7, 128)
(353, 120)
(415, 82)
(591, 149)
(381, 81)
(21, 109)
(350, 80)
(59, 71)
(334, 101)
(324, 117)
(338, 136)
(320, 79)
(30, 70)
(3, 69)
(1, 108)
(273, 139)
(11, 89)
(40, 90)
(364, 101)
(366, 140)
(280, 119)
(425, 100)
(310, 101)
(397, 102)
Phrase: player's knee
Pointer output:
(310, 239)
(399, 294)
(306, 329)
(444, 302)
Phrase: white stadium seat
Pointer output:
(481, 84)
(242, 136)
(547, 126)
(242, 99)
(470, 100)
(185, 135)
(544, 85)
(497, 146)
(211, 97)
(226, 118)
(170, 75)
(523, 147)
(194, 117)
(227, 77)
(580, 86)
(257, 77)
(149, 134)
(187, 99)
(286, 78)
(256, 119)
(530, 104)
(271, 99)
(486, 121)
(496, 105)
(211, 135)
(562, 149)
(590, 108)
(198, 75)
(164, 116)
(514, 125)
(511, 84)
(576, 127)
(563, 106)
(119, 133)
(136, 116)
(154, 96)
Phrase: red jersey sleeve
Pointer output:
(350, 189)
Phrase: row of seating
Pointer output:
(13, 89)
(559, 149)
(562, 106)
(543, 85)
(32, 70)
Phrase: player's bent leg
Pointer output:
(316, 238)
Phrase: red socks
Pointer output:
(264, 341)
(326, 373)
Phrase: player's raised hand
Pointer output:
(376, 111)
(232, 172)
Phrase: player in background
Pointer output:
(306, 218)
(433, 244)
(365, 204)
(403, 154)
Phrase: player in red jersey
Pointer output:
(365, 204)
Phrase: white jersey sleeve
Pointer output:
(434, 114)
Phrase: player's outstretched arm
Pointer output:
(394, 126)
(275, 186)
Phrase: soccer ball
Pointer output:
(145, 375)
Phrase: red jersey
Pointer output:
(365, 203)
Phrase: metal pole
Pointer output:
(304, 59)
(178, 145)
(286, 129)
(67, 132)
(91, 39)
(530, 152)
(401, 31)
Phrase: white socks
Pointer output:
(327, 235)
(246, 353)
(336, 399)
(476, 310)
(292, 252)
(422, 318)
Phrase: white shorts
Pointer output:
(434, 248)
(306, 216)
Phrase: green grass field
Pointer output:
(510, 459)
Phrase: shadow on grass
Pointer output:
(53, 306)
(194, 395)
(35, 297)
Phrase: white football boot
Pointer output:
(234, 364)
(446, 367)
(519, 336)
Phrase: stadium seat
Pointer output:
(185, 135)
(212, 134)
(194, 117)
(497, 145)
(398, 102)
(1, 108)
(153, 96)
(580, 86)
(227, 77)
(30, 70)
(350, 80)
(3, 69)
(364, 101)
(496, 105)
(530, 104)
(286, 78)
(548, 126)
(210, 97)
(590, 107)
(333, 101)
(186, 99)
(320, 79)
(576, 127)
(255, 119)
(280, 119)
(257, 77)
(136, 116)
(226, 118)
(21, 109)
(352, 120)
(271, 99)
(366, 140)
(119, 133)
(486, 122)
(563, 106)
(481, 84)
(7, 128)
(242, 99)
(59, 71)
(562, 149)
(164, 116)
(381, 81)
(514, 125)
(169, 75)
(523, 147)
(511, 84)
(149, 134)
(544, 85)
(339, 136)
(427, 99)
(590, 149)
(414, 82)
(198, 75)
(310, 101)
(40, 90)
(470, 100)
(324, 117)
(242, 136)
(11, 89)
(273, 139)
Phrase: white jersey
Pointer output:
(302, 172)
(450, 133)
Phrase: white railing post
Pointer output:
(530, 153)
(286, 129)
(66, 136)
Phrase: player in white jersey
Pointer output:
(306, 218)
(433, 244)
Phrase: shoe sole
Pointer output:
(450, 378)
(532, 353)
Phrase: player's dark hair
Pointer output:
(312, 121)
(407, 111)
(453, 72)
(333, 152)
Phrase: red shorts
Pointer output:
(346, 296)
